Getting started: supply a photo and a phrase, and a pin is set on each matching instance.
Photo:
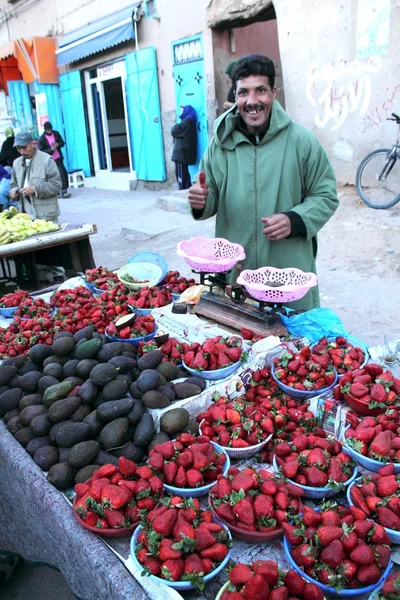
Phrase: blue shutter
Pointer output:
(74, 122)
(21, 107)
(52, 91)
(144, 115)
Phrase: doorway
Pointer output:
(116, 124)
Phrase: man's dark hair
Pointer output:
(254, 64)
(47, 125)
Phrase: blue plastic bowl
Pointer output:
(214, 375)
(8, 313)
(364, 461)
(300, 394)
(331, 591)
(140, 311)
(180, 585)
(90, 286)
(374, 595)
(392, 533)
(134, 341)
(204, 489)
(355, 342)
(150, 257)
(314, 492)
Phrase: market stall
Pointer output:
(151, 420)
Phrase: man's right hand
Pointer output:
(198, 193)
(14, 193)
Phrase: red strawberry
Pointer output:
(225, 512)
(244, 511)
(311, 518)
(193, 564)
(164, 523)
(115, 518)
(166, 551)
(204, 539)
(240, 574)
(303, 556)
(312, 592)
(256, 588)
(328, 533)
(115, 496)
(216, 553)
(170, 470)
(388, 518)
(156, 460)
(294, 583)
(263, 507)
(386, 486)
(368, 574)
(379, 535)
(391, 586)
(381, 445)
(194, 478)
(80, 489)
(223, 488)
(268, 569)
(349, 569)
(382, 556)
(293, 538)
(172, 569)
(127, 467)
(349, 541)
(279, 593)
(333, 554)
(362, 555)
(316, 478)
(331, 518)
(180, 478)
(241, 481)
(150, 563)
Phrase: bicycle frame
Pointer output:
(391, 160)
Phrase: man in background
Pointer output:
(51, 142)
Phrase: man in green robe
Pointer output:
(268, 179)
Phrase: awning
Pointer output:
(34, 58)
(97, 36)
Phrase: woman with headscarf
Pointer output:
(8, 152)
(185, 146)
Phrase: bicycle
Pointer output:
(372, 182)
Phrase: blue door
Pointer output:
(21, 107)
(74, 122)
(53, 98)
(144, 116)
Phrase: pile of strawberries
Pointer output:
(378, 495)
(249, 335)
(117, 497)
(343, 355)
(304, 370)
(370, 386)
(339, 547)
(180, 542)
(316, 462)
(377, 437)
(33, 307)
(173, 350)
(215, 353)
(20, 336)
(263, 580)
(139, 327)
(101, 278)
(175, 283)
(187, 462)
(150, 297)
(261, 385)
(14, 299)
(255, 500)
(391, 588)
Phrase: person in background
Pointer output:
(230, 101)
(35, 180)
(268, 179)
(185, 146)
(4, 188)
(51, 142)
(8, 151)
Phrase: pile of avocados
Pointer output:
(82, 402)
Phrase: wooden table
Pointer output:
(69, 247)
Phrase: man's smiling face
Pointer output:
(254, 98)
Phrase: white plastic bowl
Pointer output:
(147, 273)
(242, 453)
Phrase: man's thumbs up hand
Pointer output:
(198, 193)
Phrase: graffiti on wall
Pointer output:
(379, 113)
(337, 90)
(373, 27)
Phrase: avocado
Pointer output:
(148, 380)
(72, 433)
(136, 412)
(29, 382)
(61, 410)
(63, 346)
(85, 333)
(76, 381)
(55, 429)
(199, 381)
(150, 360)
(23, 435)
(104, 458)
(85, 367)
(95, 425)
(15, 361)
(81, 341)
(63, 334)
(11, 414)
(83, 454)
(88, 349)
(28, 366)
(174, 420)
(192, 427)
(167, 390)
(115, 390)
(69, 369)
(80, 413)
(37, 443)
(102, 374)
(40, 425)
(56, 392)
(101, 336)
(99, 401)
(185, 390)
(144, 430)
(115, 434)
(30, 400)
(60, 360)
(47, 381)
(108, 411)
(169, 371)
(88, 392)
(30, 412)
(155, 399)
(124, 364)
(61, 475)
(109, 351)
(134, 390)
(6, 373)
(4, 388)
(14, 425)
(162, 380)
(54, 370)
(85, 473)
(45, 457)
(63, 454)
(129, 451)
(39, 352)
(158, 438)
(126, 377)
(10, 400)
(13, 383)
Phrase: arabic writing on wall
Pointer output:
(382, 111)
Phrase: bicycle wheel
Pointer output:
(374, 192)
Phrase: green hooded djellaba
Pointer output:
(287, 171)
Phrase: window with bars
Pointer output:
(188, 51)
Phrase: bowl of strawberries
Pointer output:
(260, 579)
(111, 502)
(255, 505)
(390, 589)
(304, 374)
(132, 329)
(181, 545)
(9, 303)
(217, 358)
(145, 300)
(346, 353)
